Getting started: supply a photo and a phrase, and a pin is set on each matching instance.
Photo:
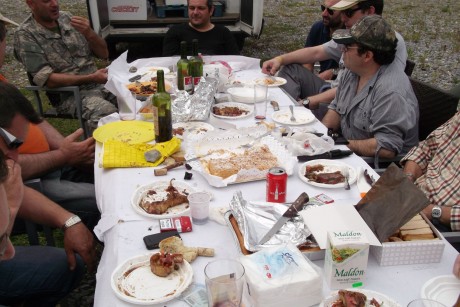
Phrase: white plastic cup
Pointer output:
(425, 302)
(260, 101)
(127, 107)
(199, 207)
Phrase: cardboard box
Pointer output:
(175, 2)
(345, 262)
(410, 252)
(127, 9)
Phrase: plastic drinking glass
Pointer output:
(127, 107)
(224, 282)
(260, 101)
(424, 302)
(199, 207)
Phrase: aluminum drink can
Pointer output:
(276, 185)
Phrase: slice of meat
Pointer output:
(352, 298)
(174, 198)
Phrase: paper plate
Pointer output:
(382, 299)
(302, 116)
(444, 289)
(130, 131)
(329, 166)
(278, 81)
(134, 282)
(248, 109)
(191, 129)
(160, 187)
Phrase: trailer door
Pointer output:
(251, 16)
(98, 12)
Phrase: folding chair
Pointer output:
(53, 95)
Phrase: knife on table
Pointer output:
(296, 206)
(333, 154)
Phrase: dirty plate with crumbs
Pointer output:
(134, 282)
(131, 132)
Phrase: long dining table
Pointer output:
(121, 229)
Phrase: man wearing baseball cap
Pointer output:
(3, 23)
(375, 107)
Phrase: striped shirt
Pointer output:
(439, 158)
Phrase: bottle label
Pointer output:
(156, 126)
(196, 80)
(188, 83)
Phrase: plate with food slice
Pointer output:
(303, 116)
(270, 82)
(162, 199)
(152, 278)
(145, 88)
(232, 110)
(191, 129)
(358, 297)
(325, 173)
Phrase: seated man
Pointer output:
(37, 275)
(434, 166)
(212, 38)
(47, 154)
(57, 50)
(375, 107)
(351, 12)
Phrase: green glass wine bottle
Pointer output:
(196, 64)
(184, 79)
(162, 111)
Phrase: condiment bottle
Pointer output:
(162, 111)
(184, 79)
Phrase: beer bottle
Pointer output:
(196, 64)
(184, 80)
(162, 110)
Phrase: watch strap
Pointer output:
(306, 103)
(75, 219)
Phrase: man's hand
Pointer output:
(76, 152)
(14, 187)
(79, 240)
(270, 67)
(100, 76)
(82, 25)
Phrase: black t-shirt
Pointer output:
(217, 41)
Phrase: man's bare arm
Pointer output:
(96, 43)
(61, 79)
(331, 120)
(367, 148)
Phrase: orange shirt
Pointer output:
(35, 141)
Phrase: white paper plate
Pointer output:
(444, 289)
(241, 106)
(134, 282)
(161, 186)
(329, 167)
(268, 81)
(303, 116)
(381, 298)
(192, 129)
(244, 94)
(149, 71)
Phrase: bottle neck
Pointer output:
(160, 81)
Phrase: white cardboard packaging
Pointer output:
(345, 262)
(127, 9)
(175, 2)
(282, 276)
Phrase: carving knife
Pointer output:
(296, 206)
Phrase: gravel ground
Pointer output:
(431, 29)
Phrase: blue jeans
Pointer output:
(38, 276)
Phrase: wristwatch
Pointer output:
(436, 212)
(306, 103)
(71, 221)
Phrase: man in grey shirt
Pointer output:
(375, 107)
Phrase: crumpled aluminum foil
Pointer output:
(197, 106)
(255, 219)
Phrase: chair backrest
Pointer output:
(436, 106)
(410, 65)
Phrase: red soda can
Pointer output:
(276, 185)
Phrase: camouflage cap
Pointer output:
(7, 21)
(345, 4)
(371, 31)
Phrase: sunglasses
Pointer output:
(329, 11)
(3, 244)
(350, 12)
(11, 141)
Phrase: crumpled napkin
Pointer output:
(120, 154)
(304, 143)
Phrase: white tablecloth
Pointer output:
(122, 229)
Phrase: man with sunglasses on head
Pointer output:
(36, 275)
(375, 107)
(352, 11)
